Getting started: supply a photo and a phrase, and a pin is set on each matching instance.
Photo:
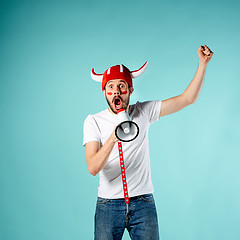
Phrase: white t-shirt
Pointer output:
(99, 127)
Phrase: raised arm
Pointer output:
(192, 92)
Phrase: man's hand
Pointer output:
(113, 136)
(204, 54)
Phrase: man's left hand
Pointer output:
(204, 54)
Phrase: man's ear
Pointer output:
(131, 90)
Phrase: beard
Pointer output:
(124, 105)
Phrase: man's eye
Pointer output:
(110, 86)
(121, 86)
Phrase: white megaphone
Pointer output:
(127, 130)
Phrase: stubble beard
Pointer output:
(124, 105)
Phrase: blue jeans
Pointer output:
(111, 218)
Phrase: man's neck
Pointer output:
(110, 110)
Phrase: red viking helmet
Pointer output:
(118, 72)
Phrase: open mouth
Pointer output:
(118, 103)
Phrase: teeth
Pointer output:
(117, 102)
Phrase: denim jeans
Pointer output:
(111, 218)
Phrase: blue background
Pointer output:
(47, 49)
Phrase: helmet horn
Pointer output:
(140, 71)
(96, 77)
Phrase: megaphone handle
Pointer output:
(123, 173)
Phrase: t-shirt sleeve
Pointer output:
(90, 130)
(152, 109)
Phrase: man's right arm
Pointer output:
(97, 157)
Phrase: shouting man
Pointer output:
(125, 194)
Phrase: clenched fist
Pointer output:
(204, 54)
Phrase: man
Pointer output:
(136, 209)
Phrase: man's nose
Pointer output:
(116, 90)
